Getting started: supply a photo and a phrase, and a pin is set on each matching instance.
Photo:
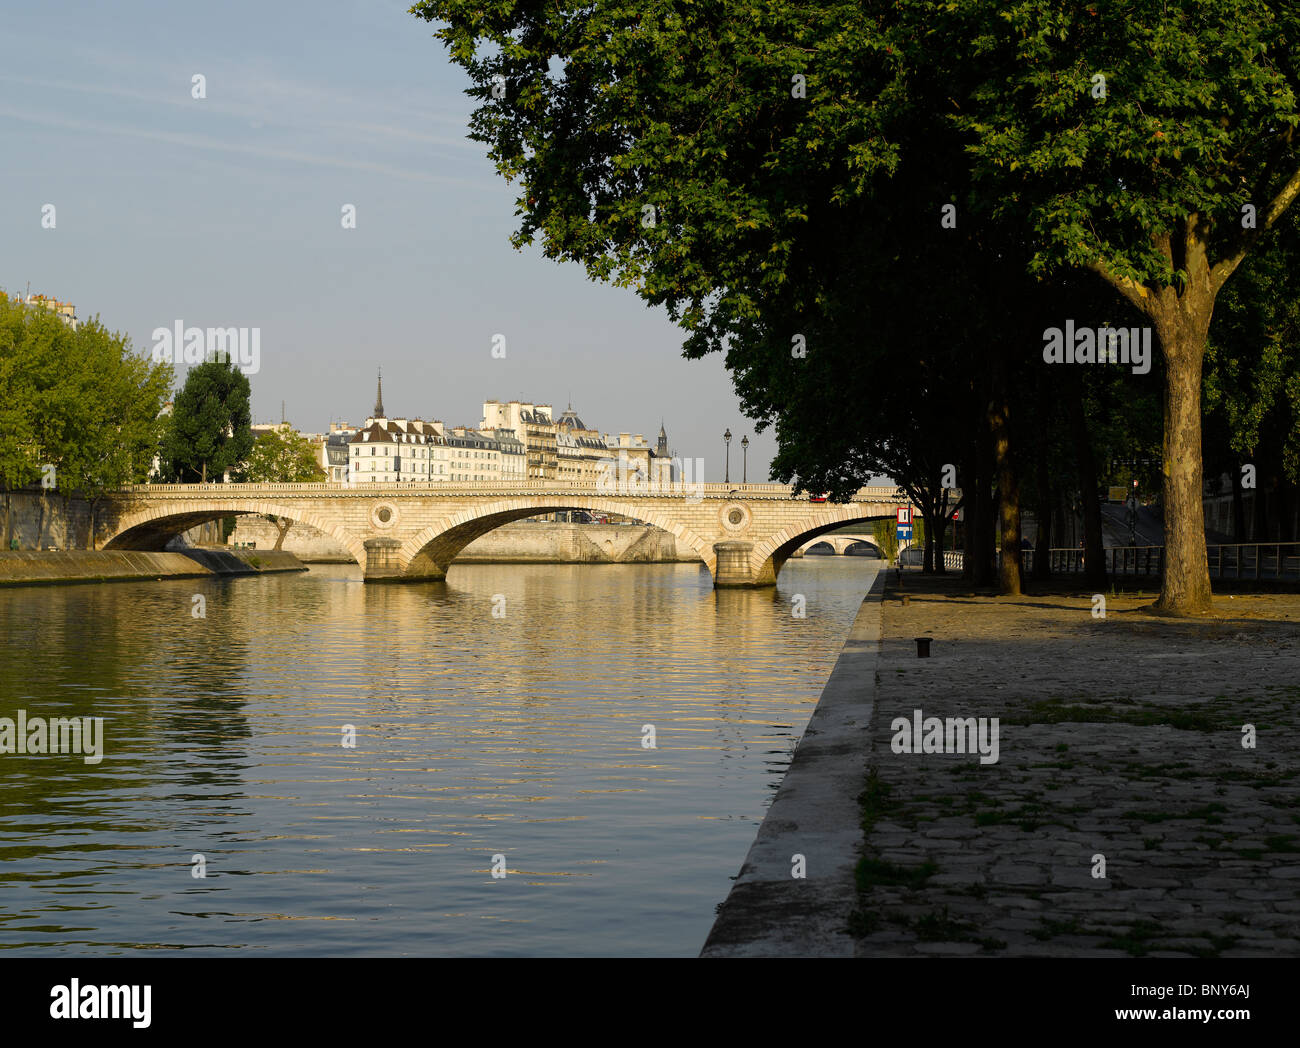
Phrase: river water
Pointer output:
(501, 713)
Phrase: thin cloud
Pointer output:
(193, 141)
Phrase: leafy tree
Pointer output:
(718, 158)
(1252, 383)
(209, 432)
(885, 532)
(693, 151)
(1160, 176)
(78, 400)
(282, 456)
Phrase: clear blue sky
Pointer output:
(225, 212)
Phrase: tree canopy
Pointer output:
(209, 432)
(78, 400)
(763, 172)
(282, 456)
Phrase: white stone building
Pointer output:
(514, 456)
(475, 457)
(533, 427)
(582, 456)
(397, 451)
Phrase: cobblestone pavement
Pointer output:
(1119, 738)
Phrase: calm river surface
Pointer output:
(475, 736)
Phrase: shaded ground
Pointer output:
(1118, 737)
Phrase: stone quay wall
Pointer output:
(32, 567)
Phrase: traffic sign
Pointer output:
(904, 523)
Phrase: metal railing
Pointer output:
(1255, 560)
(914, 557)
(1242, 560)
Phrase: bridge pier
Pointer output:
(382, 564)
(733, 568)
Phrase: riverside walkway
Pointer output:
(1145, 799)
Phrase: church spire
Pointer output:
(379, 396)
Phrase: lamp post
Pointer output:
(726, 438)
(1133, 515)
(744, 451)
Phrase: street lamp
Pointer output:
(1133, 515)
(744, 468)
(726, 437)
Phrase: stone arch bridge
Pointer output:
(840, 543)
(743, 533)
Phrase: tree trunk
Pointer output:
(1043, 545)
(970, 492)
(1043, 509)
(1286, 501)
(1185, 589)
(1008, 489)
(981, 519)
(1238, 507)
(1259, 511)
(940, 526)
(1094, 551)
(283, 529)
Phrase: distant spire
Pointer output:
(379, 396)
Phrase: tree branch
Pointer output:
(1137, 294)
(1246, 240)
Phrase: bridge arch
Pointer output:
(153, 527)
(429, 552)
(849, 542)
(769, 556)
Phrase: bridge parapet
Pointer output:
(675, 490)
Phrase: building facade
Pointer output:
(516, 442)
(65, 311)
(475, 457)
(533, 427)
(397, 451)
(582, 456)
